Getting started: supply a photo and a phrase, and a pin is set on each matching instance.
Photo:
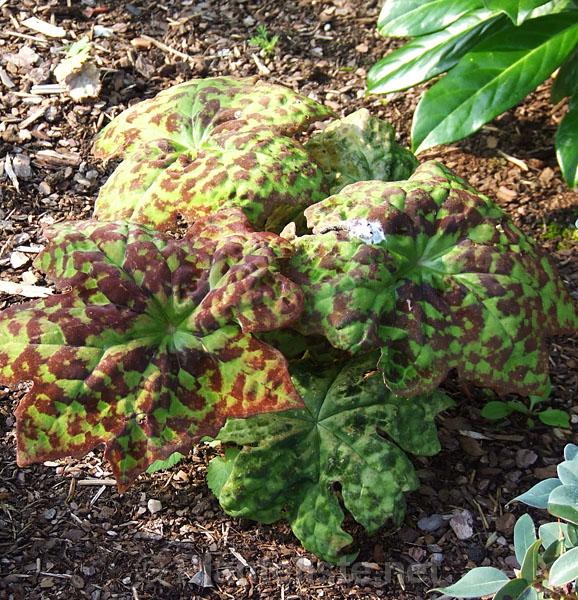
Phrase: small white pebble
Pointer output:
(154, 506)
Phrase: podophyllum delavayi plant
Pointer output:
(312, 358)
(548, 559)
(495, 53)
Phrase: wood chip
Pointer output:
(515, 161)
(51, 158)
(263, 69)
(21, 289)
(44, 28)
(10, 172)
(37, 114)
(49, 88)
(5, 79)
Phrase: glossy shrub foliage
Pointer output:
(495, 52)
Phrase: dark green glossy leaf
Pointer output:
(290, 462)
(566, 82)
(491, 78)
(567, 144)
(517, 10)
(403, 18)
(427, 56)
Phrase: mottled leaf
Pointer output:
(352, 433)
(196, 146)
(434, 274)
(152, 347)
(360, 147)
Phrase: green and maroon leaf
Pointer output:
(199, 145)
(360, 147)
(434, 274)
(151, 348)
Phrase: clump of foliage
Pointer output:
(495, 52)
(267, 43)
(549, 560)
(341, 336)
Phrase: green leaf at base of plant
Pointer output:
(555, 418)
(513, 590)
(524, 536)
(164, 465)
(291, 462)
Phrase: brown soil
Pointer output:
(64, 530)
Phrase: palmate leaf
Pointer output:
(360, 147)
(153, 345)
(352, 433)
(209, 142)
(435, 275)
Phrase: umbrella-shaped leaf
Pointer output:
(360, 147)
(152, 346)
(434, 274)
(291, 462)
(201, 144)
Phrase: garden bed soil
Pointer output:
(65, 531)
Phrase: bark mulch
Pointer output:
(65, 532)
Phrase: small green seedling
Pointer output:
(263, 40)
